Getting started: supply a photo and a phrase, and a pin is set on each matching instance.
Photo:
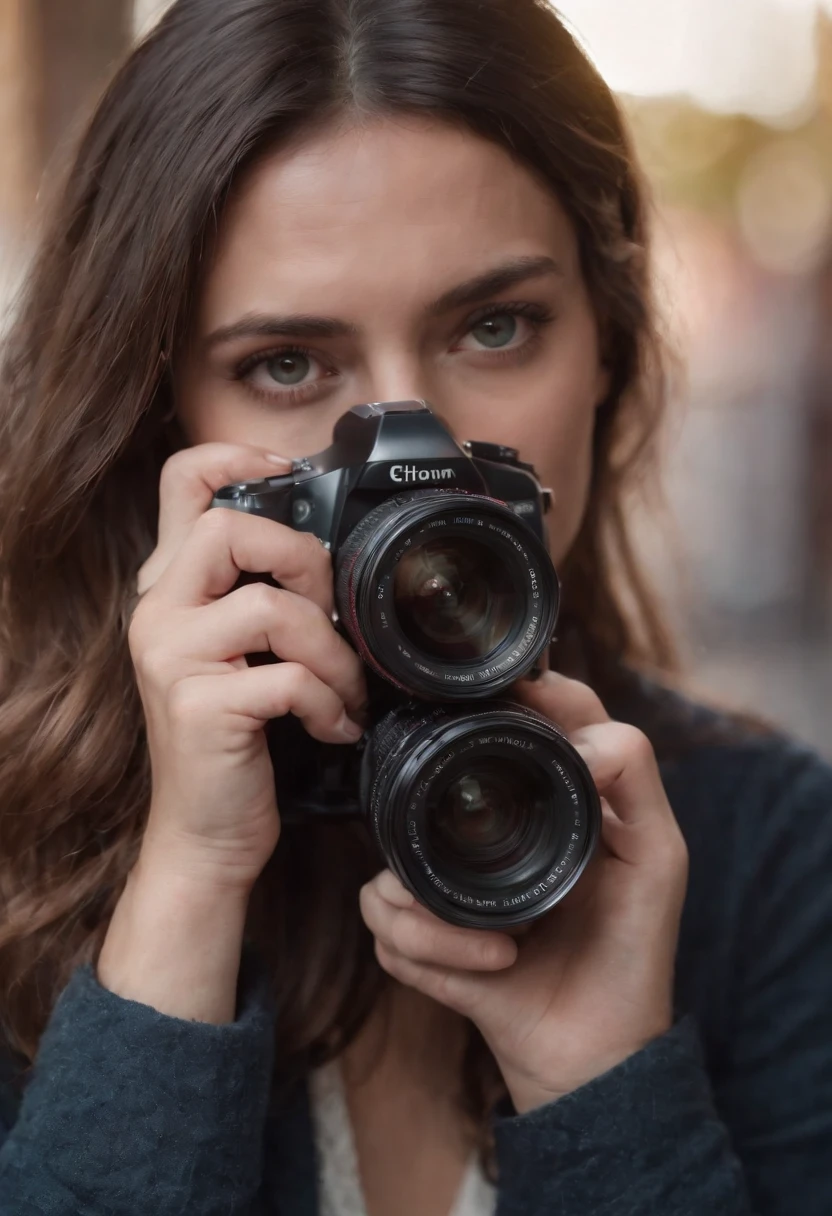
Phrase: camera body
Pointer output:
(380, 451)
(444, 586)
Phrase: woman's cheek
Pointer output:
(561, 450)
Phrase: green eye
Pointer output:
(498, 330)
(288, 369)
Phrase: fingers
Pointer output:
(623, 767)
(639, 826)
(189, 481)
(259, 618)
(257, 694)
(191, 478)
(407, 932)
(223, 542)
(458, 990)
(570, 704)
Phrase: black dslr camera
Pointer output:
(444, 586)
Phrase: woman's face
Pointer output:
(401, 259)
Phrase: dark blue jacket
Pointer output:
(129, 1112)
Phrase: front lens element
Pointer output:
(488, 819)
(454, 599)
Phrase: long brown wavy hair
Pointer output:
(85, 390)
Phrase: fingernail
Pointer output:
(273, 458)
(351, 731)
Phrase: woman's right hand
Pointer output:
(213, 810)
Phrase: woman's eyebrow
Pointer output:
(489, 283)
(262, 325)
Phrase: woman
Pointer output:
(282, 208)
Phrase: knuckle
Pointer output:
(365, 899)
(633, 744)
(316, 559)
(217, 523)
(387, 958)
(186, 703)
(261, 600)
(150, 660)
(678, 855)
(175, 468)
(446, 990)
(334, 650)
(136, 632)
(372, 906)
(408, 937)
(313, 546)
(145, 576)
(294, 679)
(311, 615)
(585, 699)
(670, 856)
(308, 564)
(153, 664)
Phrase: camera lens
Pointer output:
(445, 594)
(487, 814)
(487, 818)
(454, 600)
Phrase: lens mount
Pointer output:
(487, 814)
(446, 594)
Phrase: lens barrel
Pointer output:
(446, 594)
(486, 813)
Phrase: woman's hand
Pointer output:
(213, 811)
(591, 982)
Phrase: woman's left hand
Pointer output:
(591, 982)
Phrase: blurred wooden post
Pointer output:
(55, 56)
(78, 44)
(18, 141)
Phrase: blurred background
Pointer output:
(731, 106)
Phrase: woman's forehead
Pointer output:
(397, 206)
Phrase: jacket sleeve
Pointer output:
(657, 1134)
(643, 1138)
(129, 1111)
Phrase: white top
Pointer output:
(339, 1186)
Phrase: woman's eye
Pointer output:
(500, 331)
(496, 331)
(289, 369)
(283, 370)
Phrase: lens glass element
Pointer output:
(454, 598)
(489, 818)
(447, 595)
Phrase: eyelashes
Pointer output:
(538, 314)
(251, 371)
(246, 369)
